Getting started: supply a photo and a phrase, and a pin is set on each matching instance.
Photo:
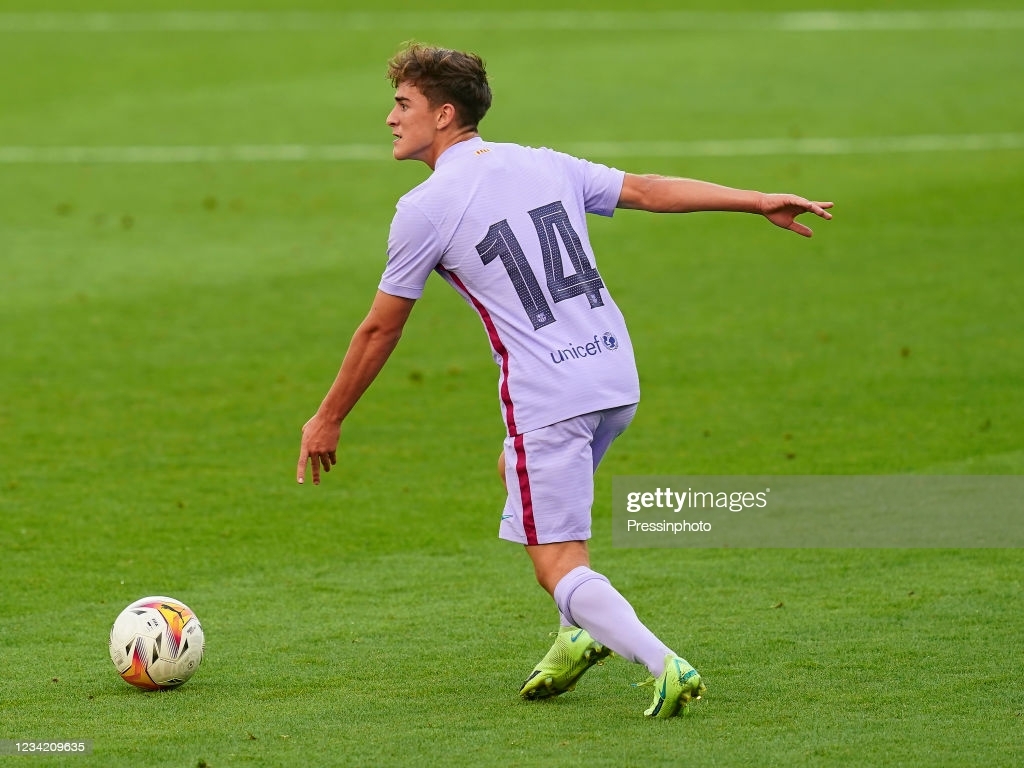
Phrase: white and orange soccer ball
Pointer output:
(157, 643)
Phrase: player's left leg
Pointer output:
(574, 650)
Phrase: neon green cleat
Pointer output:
(573, 653)
(678, 685)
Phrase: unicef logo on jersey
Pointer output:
(596, 346)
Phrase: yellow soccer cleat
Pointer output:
(677, 686)
(573, 653)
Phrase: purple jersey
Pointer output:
(505, 225)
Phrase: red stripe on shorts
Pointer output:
(529, 525)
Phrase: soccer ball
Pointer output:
(156, 643)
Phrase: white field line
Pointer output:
(616, 21)
(269, 153)
(867, 145)
(334, 153)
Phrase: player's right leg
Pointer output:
(675, 688)
(586, 599)
(550, 472)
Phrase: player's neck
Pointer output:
(446, 140)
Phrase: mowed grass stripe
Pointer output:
(276, 153)
(577, 21)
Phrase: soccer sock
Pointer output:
(590, 602)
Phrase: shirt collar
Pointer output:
(459, 149)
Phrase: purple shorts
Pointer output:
(549, 474)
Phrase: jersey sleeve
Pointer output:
(414, 250)
(602, 187)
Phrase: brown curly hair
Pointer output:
(444, 76)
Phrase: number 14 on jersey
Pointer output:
(552, 224)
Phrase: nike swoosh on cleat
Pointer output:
(661, 700)
(575, 636)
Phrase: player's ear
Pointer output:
(445, 116)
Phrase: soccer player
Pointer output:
(505, 226)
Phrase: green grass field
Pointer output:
(166, 327)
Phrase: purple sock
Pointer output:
(590, 602)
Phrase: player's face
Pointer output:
(413, 124)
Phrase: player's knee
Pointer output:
(549, 574)
(543, 573)
(551, 562)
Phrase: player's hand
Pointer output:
(782, 210)
(319, 448)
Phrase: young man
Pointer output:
(505, 226)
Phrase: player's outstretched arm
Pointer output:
(371, 346)
(665, 194)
